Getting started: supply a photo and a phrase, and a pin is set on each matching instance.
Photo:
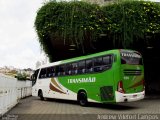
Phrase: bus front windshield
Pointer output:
(132, 58)
(34, 77)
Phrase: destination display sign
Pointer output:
(130, 54)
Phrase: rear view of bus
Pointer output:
(130, 87)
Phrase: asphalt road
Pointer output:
(32, 108)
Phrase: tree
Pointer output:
(21, 76)
(77, 27)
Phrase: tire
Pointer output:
(82, 98)
(40, 94)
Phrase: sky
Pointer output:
(19, 46)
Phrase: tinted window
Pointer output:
(68, 69)
(131, 58)
(98, 61)
(89, 65)
(35, 74)
(62, 70)
(102, 63)
(50, 71)
(107, 60)
(85, 66)
(43, 73)
(81, 67)
(57, 70)
(98, 64)
(74, 68)
(34, 77)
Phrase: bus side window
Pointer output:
(74, 68)
(68, 69)
(89, 66)
(62, 70)
(81, 67)
(98, 64)
(43, 73)
(50, 72)
(57, 71)
(107, 61)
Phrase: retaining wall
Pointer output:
(11, 90)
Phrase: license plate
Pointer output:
(134, 96)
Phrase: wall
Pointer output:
(24, 89)
(11, 90)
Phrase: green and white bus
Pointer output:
(109, 76)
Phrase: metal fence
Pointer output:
(11, 90)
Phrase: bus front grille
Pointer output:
(132, 72)
(106, 93)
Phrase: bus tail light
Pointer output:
(120, 87)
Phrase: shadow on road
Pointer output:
(111, 106)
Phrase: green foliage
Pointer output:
(130, 21)
(76, 23)
(21, 76)
(70, 22)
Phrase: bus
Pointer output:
(109, 76)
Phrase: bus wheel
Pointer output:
(40, 94)
(82, 98)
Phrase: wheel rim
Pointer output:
(82, 102)
(82, 99)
